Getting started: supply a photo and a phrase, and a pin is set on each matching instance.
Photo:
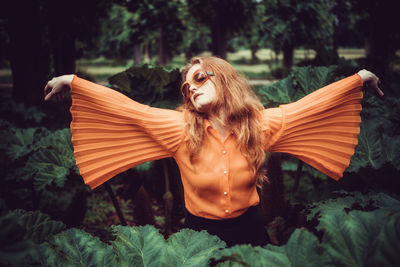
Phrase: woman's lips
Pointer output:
(196, 95)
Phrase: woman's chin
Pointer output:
(202, 107)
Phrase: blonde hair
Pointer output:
(242, 110)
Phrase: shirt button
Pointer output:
(225, 193)
(225, 172)
(224, 152)
(226, 211)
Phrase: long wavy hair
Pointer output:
(241, 108)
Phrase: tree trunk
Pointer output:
(219, 41)
(64, 53)
(137, 54)
(254, 49)
(287, 56)
(29, 56)
(164, 56)
(62, 36)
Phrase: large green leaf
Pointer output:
(139, 246)
(355, 237)
(388, 249)
(302, 249)
(13, 247)
(375, 148)
(20, 142)
(38, 226)
(75, 247)
(352, 239)
(353, 200)
(309, 78)
(157, 86)
(299, 83)
(52, 162)
(246, 255)
(191, 248)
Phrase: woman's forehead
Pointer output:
(192, 70)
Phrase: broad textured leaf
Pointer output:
(246, 255)
(139, 246)
(391, 150)
(20, 142)
(75, 247)
(310, 78)
(351, 199)
(388, 251)
(280, 92)
(13, 247)
(38, 226)
(149, 85)
(352, 239)
(191, 248)
(304, 249)
(52, 161)
(298, 84)
(369, 149)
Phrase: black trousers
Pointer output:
(245, 229)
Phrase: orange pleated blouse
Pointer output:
(112, 133)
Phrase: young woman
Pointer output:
(218, 138)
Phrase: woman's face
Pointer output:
(203, 96)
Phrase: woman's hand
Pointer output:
(370, 80)
(57, 87)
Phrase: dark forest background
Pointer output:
(286, 49)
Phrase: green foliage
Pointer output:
(17, 143)
(224, 18)
(133, 246)
(302, 249)
(20, 231)
(150, 85)
(38, 226)
(13, 247)
(140, 246)
(294, 23)
(299, 83)
(20, 114)
(191, 248)
(50, 155)
(343, 200)
(117, 32)
(75, 247)
(353, 237)
(374, 147)
(354, 230)
(379, 139)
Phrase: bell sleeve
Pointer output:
(112, 133)
(321, 128)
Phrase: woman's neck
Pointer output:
(219, 124)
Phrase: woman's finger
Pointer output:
(47, 88)
(48, 96)
(379, 91)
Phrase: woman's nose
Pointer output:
(192, 88)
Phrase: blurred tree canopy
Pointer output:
(294, 23)
(224, 18)
(44, 38)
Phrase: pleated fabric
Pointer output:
(112, 133)
(320, 129)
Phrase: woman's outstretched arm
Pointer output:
(321, 128)
(111, 132)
